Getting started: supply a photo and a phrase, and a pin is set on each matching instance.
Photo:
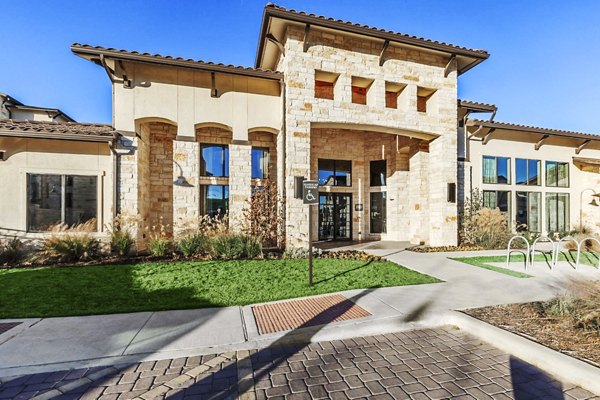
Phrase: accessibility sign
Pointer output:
(310, 192)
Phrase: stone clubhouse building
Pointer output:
(373, 115)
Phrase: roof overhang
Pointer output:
(94, 54)
(507, 127)
(428, 136)
(54, 111)
(59, 136)
(276, 19)
(586, 162)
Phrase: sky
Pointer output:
(543, 68)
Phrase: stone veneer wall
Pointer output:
(356, 57)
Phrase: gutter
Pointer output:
(60, 136)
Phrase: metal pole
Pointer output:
(310, 249)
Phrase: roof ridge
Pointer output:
(68, 123)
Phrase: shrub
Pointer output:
(263, 215)
(194, 244)
(300, 252)
(159, 241)
(350, 255)
(488, 228)
(121, 236)
(69, 244)
(11, 251)
(235, 246)
(581, 305)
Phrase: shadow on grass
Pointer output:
(344, 273)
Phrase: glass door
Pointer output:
(335, 216)
(326, 220)
(378, 212)
(343, 212)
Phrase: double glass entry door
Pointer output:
(335, 216)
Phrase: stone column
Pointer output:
(419, 206)
(240, 182)
(297, 164)
(442, 170)
(186, 190)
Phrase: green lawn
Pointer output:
(484, 261)
(46, 292)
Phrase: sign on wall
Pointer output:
(310, 192)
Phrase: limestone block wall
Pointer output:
(240, 184)
(350, 57)
(186, 197)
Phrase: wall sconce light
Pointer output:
(181, 181)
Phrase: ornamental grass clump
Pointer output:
(68, 244)
(12, 251)
(236, 246)
(194, 245)
(121, 234)
(580, 307)
(160, 243)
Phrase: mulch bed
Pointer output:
(557, 333)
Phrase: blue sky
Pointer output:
(543, 68)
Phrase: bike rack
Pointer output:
(543, 239)
(557, 249)
(509, 251)
(579, 249)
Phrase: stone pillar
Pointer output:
(418, 197)
(186, 190)
(442, 170)
(297, 164)
(240, 183)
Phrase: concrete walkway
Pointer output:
(50, 344)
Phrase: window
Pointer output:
(528, 172)
(215, 200)
(497, 199)
(360, 87)
(215, 160)
(392, 91)
(325, 84)
(260, 163)
(55, 199)
(335, 172)
(496, 169)
(557, 212)
(378, 172)
(528, 211)
(557, 174)
(378, 212)
(423, 97)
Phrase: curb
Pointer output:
(565, 367)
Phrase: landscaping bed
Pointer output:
(557, 332)
(154, 286)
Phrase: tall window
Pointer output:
(528, 171)
(378, 172)
(528, 211)
(55, 199)
(215, 200)
(557, 212)
(557, 174)
(335, 172)
(260, 163)
(496, 169)
(497, 199)
(215, 160)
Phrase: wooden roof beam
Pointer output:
(306, 33)
(488, 136)
(582, 146)
(541, 142)
(382, 54)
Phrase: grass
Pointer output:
(69, 291)
(484, 262)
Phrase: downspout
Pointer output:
(283, 158)
(116, 177)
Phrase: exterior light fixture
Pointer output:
(592, 203)
(181, 181)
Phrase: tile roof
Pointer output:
(86, 49)
(532, 129)
(400, 37)
(476, 105)
(57, 130)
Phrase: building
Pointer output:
(371, 114)
(11, 108)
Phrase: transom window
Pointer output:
(378, 172)
(60, 199)
(557, 212)
(260, 163)
(557, 174)
(528, 211)
(335, 172)
(497, 199)
(214, 160)
(496, 169)
(528, 172)
(215, 200)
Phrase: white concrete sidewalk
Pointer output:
(57, 343)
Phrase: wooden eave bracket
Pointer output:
(306, 33)
(276, 42)
(541, 142)
(109, 70)
(488, 136)
(382, 54)
(450, 64)
(126, 81)
(213, 85)
(582, 146)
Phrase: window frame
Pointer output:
(334, 170)
(527, 161)
(384, 183)
(266, 161)
(63, 199)
(509, 170)
(508, 201)
(567, 211)
(539, 213)
(204, 199)
(224, 160)
(557, 163)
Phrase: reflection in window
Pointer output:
(528, 211)
(215, 160)
(557, 174)
(215, 200)
(260, 163)
(496, 169)
(335, 172)
(497, 199)
(56, 199)
(378, 172)
(528, 171)
(557, 212)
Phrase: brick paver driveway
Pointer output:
(420, 364)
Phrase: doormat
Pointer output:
(294, 314)
(5, 327)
